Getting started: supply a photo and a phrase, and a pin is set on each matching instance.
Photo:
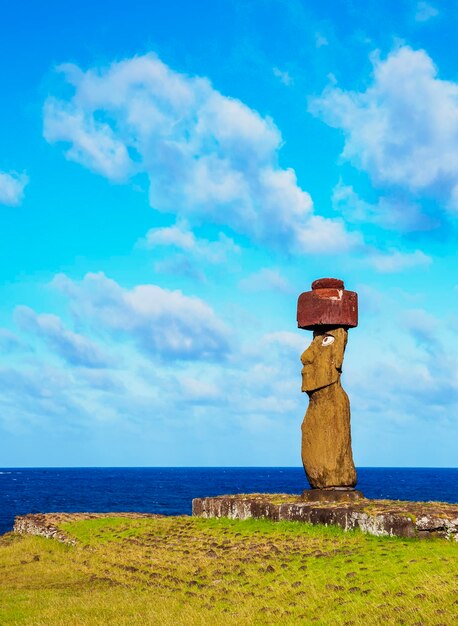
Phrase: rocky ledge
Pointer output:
(47, 524)
(376, 517)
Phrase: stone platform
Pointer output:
(376, 517)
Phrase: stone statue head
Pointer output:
(322, 361)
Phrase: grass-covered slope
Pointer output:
(181, 570)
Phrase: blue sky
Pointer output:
(173, 175)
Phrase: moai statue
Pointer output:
(329, 311)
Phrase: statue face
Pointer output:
(323, 359)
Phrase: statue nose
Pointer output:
(307, 356)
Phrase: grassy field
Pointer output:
(181, 570)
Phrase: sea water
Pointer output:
(170, 490)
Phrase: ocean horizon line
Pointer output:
(208, 467)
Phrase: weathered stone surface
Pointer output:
(327, 283)
(331, 495)
(46, 524)
(376, 517)
(328, 304)
(326, 437)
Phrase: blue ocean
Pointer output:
(170, 490)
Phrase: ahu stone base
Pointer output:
(376, 517)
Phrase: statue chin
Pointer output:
(311, 383)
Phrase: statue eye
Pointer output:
(327, 340)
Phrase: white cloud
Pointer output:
(102, 380)
(396, 261)
(402, 372)
(161, 322)
(283, 76)
(325, 235)
(12, 187)
(292, 342)
(10, 342)
(179, 236)
(198, 390)
(348, 203)
(182, 238)
(73, 347)
(424, 328)
(266, 279)
(393, 212)
(93, 143)
(425, 11)
(208, 157)
(403, 130)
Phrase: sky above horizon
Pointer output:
(173, 175)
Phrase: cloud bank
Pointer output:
(208, 157)
(403, 130)
(74, 348)
(162, 323)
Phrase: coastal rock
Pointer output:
(47, 524)
(376, 517)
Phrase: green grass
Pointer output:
(180, 570)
